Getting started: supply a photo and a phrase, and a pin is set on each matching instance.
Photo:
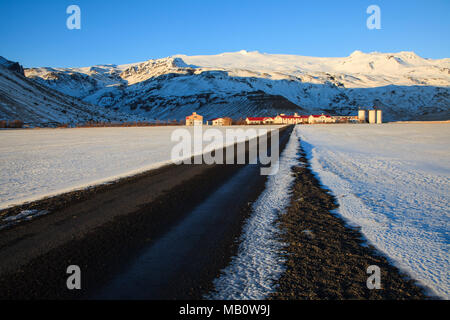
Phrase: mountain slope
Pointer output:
(245, 83)
(34, 103)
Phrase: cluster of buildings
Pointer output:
(299, 119)
(374, 116)
(195, 119)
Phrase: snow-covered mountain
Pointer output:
(32, 102)
(243, 83)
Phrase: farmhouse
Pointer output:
(259, 120)
(194, 120)
(268, 120)
(295, 119)
(345, 119)
(320, 119)
(225, 121)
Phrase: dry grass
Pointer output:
(11, 124)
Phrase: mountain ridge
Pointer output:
(406, 85)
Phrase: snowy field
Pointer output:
(45, 162)
(392, 180)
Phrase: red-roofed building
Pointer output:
(295, 119)
(320, 118)
(259, 120)
(194, 119)
(225, 121)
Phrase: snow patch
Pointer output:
(24, 215)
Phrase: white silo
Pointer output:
(372, 116)
(362, 115)
(379, 116)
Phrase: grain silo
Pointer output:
(379, 116)
(372, 116)
(362, 116)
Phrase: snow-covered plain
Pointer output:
(252, 272)
(392, 180)
(45, 162)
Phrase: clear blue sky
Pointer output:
(34, 32)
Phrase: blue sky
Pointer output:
(35, 34)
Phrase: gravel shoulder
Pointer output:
(326, 258)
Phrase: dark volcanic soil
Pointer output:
(325, 258)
